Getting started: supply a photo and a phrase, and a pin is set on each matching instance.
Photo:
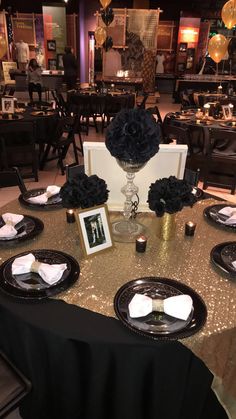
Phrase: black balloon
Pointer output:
(107, 16)
(232, 46)
(108, 44)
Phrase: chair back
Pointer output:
(14, 386)
(222, 143)
(72, 170)
(12, 178)
(17, 143)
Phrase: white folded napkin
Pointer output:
(43, 198)
(179, 306)
(10, 221)
(230, 213)
(49, 273)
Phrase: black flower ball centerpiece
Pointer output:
(170, 195)
(166, 197)
(84, 191)
(133, 135)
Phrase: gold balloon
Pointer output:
(3, 46)
(105, 3)
(100, 35)
(228, 14)
(217, 47)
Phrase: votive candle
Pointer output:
(190, 228)
(141, 243)
(70, 216)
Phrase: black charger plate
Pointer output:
(54, 202)
(212, 213)
(28, 228)
(31, 286)
(159, 325)
(222, 256)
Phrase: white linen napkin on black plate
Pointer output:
(230, 213)
(49, 273)
(10, 220)
(43, 198)
(178, 306)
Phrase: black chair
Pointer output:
(72, 170)
(198, 150)
(18, 147)
(12, 178)
(155, 111)
(172, 132)
(113, 105)
(221, 160)
(142, 103)
(60, 143)
(14, 386)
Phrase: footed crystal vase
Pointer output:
(128, 229)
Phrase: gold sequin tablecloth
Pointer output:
(186, 259)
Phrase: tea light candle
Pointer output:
(219, 88)
(198, 121)
(141, 243)
(233, 124)
(70, 216)
(190, 228)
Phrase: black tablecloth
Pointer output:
(88, 366)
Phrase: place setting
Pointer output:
(160, 308)
(222, 215)
(15, 228)
(40, 274)
(42, 198)
(223, 256)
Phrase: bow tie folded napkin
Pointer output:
(179, 306)
(49, 273)
(43, 198)
(230, 213)
(10, 220)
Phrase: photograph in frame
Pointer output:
(94, 229)
(60, 62)
(227, 113)
(51, 45)
(52, 64)
(7, 105)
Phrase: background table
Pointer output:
(83, 361)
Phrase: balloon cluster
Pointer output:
(218, 44)
(107, 15)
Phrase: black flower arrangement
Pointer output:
(170, 195)
(84, 191)
(133, 135)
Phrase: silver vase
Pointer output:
(128, 229)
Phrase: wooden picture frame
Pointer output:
(94, 229)
(51, 45)
(8, 105)
(227, 112)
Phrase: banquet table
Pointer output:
(189, 118)
(84, 363)
(44, 124)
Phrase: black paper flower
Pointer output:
(170, 195)
(133, 135)
(84, 192)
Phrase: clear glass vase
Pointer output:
(128, 229)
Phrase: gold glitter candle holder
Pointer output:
(167, 226)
